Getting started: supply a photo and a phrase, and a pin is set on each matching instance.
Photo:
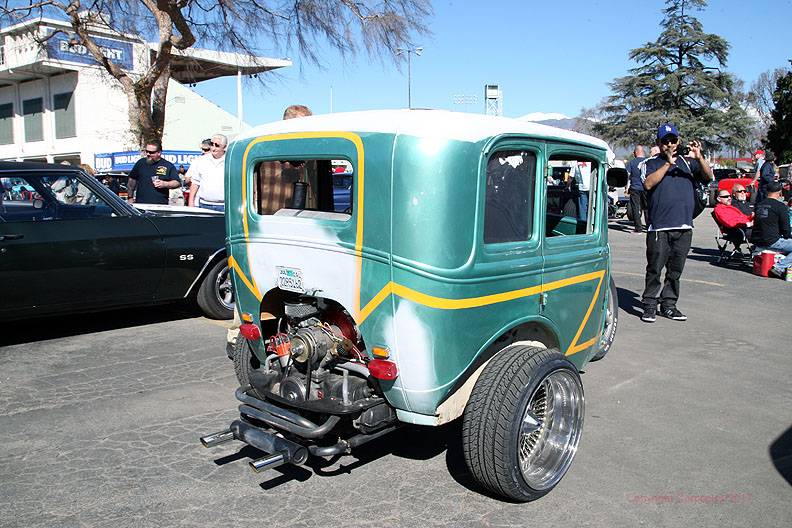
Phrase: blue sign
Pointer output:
(124, 161)
(64, 47)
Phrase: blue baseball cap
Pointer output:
(665, 130)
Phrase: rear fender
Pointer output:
(533, 333)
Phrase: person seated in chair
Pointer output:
(771, 228)
(740, 199)
(731, 218)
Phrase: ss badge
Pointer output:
(186, 257)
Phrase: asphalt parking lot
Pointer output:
(687, 424)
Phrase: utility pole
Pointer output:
(409, 52)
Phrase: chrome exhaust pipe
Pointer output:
(214, 439)
(267, 462)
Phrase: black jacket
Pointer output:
(771, 222)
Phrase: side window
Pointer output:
(571, 188)
(317, 188)
(508, 210)
(43, 197)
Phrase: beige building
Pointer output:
(57, 103)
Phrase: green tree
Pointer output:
(680, 78)
(779, 135)
(241, 26)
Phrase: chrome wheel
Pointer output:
(224, 289)
(550, 429)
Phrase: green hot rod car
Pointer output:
(469, 278)
(71, 245)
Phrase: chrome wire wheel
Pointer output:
(224, 289)
(550, 429)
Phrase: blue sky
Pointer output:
(553, 56)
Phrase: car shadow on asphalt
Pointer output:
(781, 455)
(411, 442)
(46, 328)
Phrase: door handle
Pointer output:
(11, 237)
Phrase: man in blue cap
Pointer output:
(668, 180)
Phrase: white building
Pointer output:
(57, 103)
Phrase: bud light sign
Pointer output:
(68, 48)
(124, 161)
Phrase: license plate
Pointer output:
(290, 279)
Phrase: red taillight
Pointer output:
(383, 369)
(250, 331)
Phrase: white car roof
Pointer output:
(421, 123)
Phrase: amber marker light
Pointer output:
(380, 352)
(383, 369)
(247, 318)
(250, 331)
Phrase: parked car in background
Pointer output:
(72, 245)
(342, 191)
(116, 182)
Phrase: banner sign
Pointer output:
(124, 161)
(63, 47)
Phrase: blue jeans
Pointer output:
(783, 245)
(212, 207)
(583, 199)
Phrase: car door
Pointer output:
(511, 255)
(575, 249)
(73, 245)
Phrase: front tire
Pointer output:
(523, 422)
(216, 294)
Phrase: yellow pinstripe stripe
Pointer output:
(476, 302)
(361, 314)
(235, 265)
(355, 140)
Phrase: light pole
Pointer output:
(409, 52)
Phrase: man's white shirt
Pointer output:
(208, 173)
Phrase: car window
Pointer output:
(39, 197)
(508, 210)
(571, 188)
(288, 187)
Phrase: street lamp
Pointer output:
(409, 52)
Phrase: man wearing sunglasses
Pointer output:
(730, 217)
(207, 177)
(669, 182)
(740, 200)
(152, 177)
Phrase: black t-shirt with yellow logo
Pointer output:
(144, 173)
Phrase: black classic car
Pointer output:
(69, 244)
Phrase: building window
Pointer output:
(32, 110)
(6, 124)
(65, 124)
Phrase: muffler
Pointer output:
(293, 453)
(279, 450)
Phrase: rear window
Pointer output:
(297, 187)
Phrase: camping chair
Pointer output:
(730, 242)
